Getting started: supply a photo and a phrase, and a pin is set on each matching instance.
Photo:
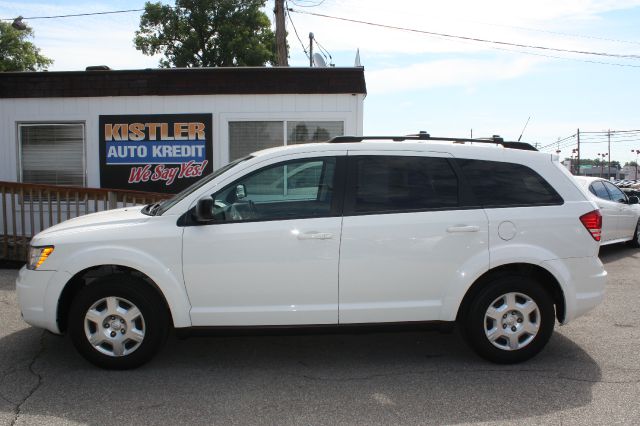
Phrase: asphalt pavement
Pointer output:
(588, 374)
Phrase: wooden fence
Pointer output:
(28, 209)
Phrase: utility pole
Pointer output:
(281, 35)
(578, 166)
(310, 49)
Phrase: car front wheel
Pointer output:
(510, 320)
(118, 322)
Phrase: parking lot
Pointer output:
(588, 374)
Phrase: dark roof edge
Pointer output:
(182, 81)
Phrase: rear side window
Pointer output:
(499, 184)
(598, 189)
(401, 184)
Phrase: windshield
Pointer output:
(167, 204)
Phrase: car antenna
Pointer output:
(523, 129)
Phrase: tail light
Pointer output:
(593, 222)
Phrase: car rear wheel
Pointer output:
(118, 322)
(510, 320)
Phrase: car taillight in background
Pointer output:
(593, 222)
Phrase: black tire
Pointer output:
(153, 322)
(635, 242)
(475, 323)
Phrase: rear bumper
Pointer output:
(583, 283)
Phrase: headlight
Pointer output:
(37, 256)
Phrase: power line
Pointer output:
(474, 39)
(558, 141)
(561, 33)
(296, 31)
(76, 14)
(307, 5)
(323, 50)
(614, 131)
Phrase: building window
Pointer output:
(246, 137)
(52, 153)
(313, 131)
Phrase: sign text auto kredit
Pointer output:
(158, 153)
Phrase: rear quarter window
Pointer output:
(598, 189)
(499, 184)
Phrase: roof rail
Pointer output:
(424, 136)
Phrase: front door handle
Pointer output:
(315, 236)
(463, 228)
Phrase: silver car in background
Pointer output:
(620, 212)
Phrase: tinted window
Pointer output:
(498, 184)
(616, 194)
(402, 183)
(290, 190)
(598, 189)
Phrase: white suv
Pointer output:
(358, 231)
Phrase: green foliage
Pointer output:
(18, 54)
(207, 33)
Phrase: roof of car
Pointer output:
(588, 179)
(468, 149)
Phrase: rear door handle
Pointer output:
(315, 236)
(463, 228)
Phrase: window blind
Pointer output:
(246, 137)
(52, 154)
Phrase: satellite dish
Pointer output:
(318, 61)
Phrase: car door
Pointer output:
(627, 214)
(405, 239)
(271, 255)
(609, 210)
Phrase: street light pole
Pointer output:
(574, 153)
(637, 151)
(603, 155)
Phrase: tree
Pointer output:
(18, 54)
(207, 33)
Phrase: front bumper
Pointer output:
(37, 309)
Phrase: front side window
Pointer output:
(52, 154)
(290, 190)
(616, 195)
(384, 184)
(500, 184)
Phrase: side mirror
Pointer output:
(204, 210)
(634, 200)
(241, 192)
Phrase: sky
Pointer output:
(415, 81)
